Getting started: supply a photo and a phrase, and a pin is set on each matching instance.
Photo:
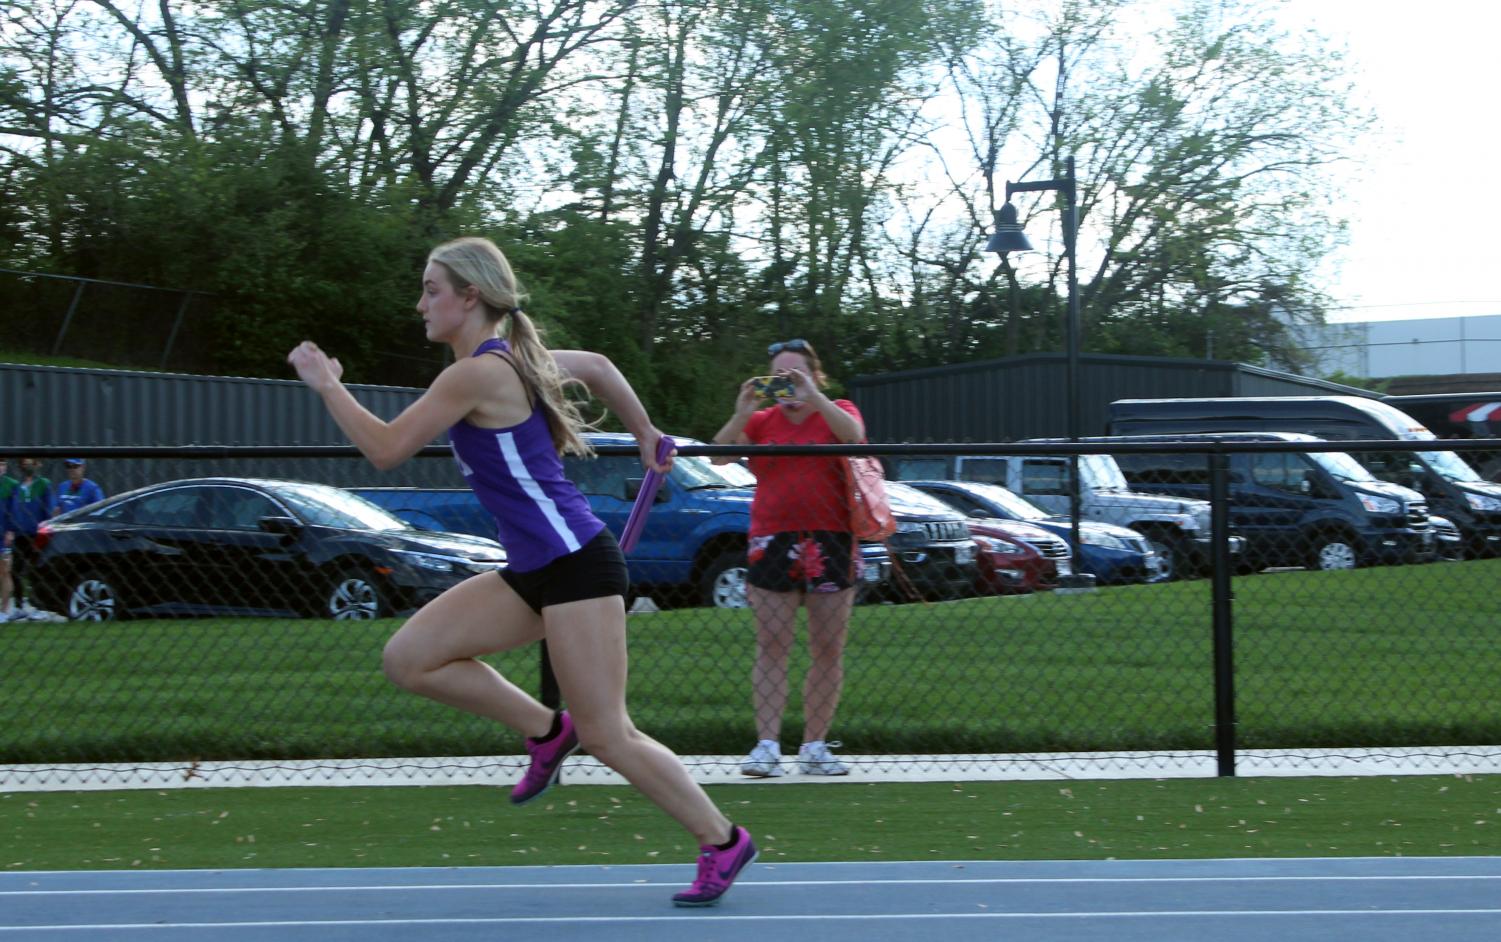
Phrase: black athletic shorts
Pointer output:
(595, 570)
(807, 561)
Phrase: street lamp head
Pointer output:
(1008, 236)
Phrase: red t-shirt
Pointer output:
(796, 492)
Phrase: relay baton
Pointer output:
(636, 522)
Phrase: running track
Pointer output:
(1324, 899)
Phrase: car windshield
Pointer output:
(906, 499)
(1012, 504)
(697, 471)
(1341, 466)
(1449, 465)
(1100, 472)
(331, 507)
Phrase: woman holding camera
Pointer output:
(800, 552)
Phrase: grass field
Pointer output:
(472, 826)
(1393, 656)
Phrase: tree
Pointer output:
(681, 182)
(852, 83)
(1201, 155)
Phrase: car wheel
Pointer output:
(95, 598)
(1167, 555)
(723, 583)
(1332, 552)
(354, 596)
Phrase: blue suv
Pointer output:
(692, 549)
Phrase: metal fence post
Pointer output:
(182, 310)
(550, 695)
(62, 331)
(1224, 635)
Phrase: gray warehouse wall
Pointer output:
(991, 400)
(1025, 397)
(42, 405)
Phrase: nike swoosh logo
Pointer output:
(727, 874)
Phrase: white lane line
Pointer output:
(643, 885)
(721, 918)
(900, 865)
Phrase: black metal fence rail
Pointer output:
(1393, 655)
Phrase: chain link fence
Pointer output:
(239, 622)
(146, 327)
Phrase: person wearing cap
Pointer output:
(25, 509)
(78, 491)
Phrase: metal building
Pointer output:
(53, 405)
(1432, 346)
(1026, 396)
(984, 401)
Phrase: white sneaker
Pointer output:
(764, 761)
(814, 758)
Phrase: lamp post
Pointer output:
(1009, 237)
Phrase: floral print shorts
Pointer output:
(808, 561)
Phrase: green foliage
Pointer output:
(678, 183)
(1363, 382)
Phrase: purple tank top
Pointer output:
(518, 477)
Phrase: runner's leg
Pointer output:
(435, 653)
(587, 645)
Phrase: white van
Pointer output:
(1452, 487)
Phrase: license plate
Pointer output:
(1065, 567)
(965, 553)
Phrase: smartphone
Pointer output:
(773, 388)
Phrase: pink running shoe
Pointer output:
(547, 762)
(717, 870)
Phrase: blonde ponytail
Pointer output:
(478, 262)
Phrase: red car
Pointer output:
(1017, 557)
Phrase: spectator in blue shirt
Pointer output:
(26, 508)
(78, 491)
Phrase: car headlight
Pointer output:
(1104, 540)
(1005, 547)
(1378, 505)
(483, 565)
(1482, 502)
(432, 562)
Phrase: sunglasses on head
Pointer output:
(796, 346)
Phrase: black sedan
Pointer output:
(246, 546)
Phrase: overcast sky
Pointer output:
(1425, 212)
